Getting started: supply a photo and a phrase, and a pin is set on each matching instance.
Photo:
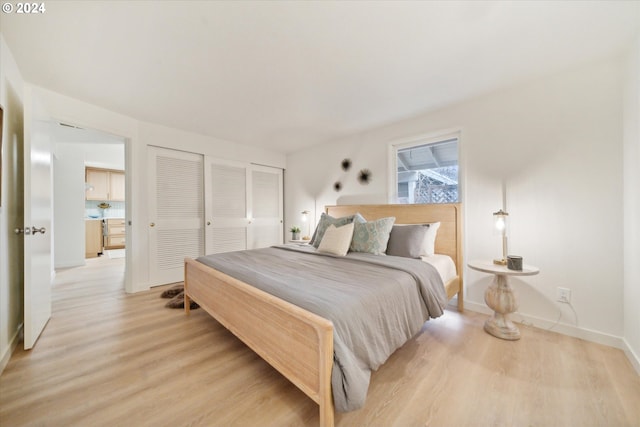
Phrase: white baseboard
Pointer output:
(13, 343)
(64, 265)
(632, 356)
(562, 328)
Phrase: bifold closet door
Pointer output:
(266, 207)
(243, 206)
(176, 212)
(227, 205)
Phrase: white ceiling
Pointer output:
(287, 75)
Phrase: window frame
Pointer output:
(414, 141)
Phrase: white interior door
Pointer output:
(176, 210)
(228, 212)
(266, 207)
(37, 218)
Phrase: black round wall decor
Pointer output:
(346, 164)
(364, 176)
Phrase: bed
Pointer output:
(264, 321)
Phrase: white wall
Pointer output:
(557, 144)
(68, 205)
(11, 245)
(632, 206)
(106, 156)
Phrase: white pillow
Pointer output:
(336, 241)
(430, 240)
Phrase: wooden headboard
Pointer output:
(449, 237)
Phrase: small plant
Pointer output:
(295, 229)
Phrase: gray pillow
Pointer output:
(407, 240)
(327, 220)
(372, 236)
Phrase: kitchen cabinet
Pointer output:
(97, 184)
(114, 236)
(104, 184)
(93, 238)
(116, 186)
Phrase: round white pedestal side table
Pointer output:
(500, 298)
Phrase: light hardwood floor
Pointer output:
(111, 359)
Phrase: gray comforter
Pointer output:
(376, 303)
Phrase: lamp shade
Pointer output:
(500, 221)
(305, 218)
(500, 227)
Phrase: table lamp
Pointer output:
(305, 218)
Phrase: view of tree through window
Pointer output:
(428, 173)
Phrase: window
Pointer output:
(426, 171)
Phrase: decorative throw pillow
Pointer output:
(372, 236)
(327, 220)
(408, 240)
(336, 240)
(428, 243)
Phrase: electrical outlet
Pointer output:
(564, 295)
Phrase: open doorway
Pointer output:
(89, 208)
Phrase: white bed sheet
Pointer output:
(444, 264)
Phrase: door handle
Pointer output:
(27, 231)
(37, 230)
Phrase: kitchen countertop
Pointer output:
(100, 219)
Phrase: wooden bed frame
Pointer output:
(264, 322)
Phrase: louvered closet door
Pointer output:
(266, 207)
(176, 212)
(227, 205)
